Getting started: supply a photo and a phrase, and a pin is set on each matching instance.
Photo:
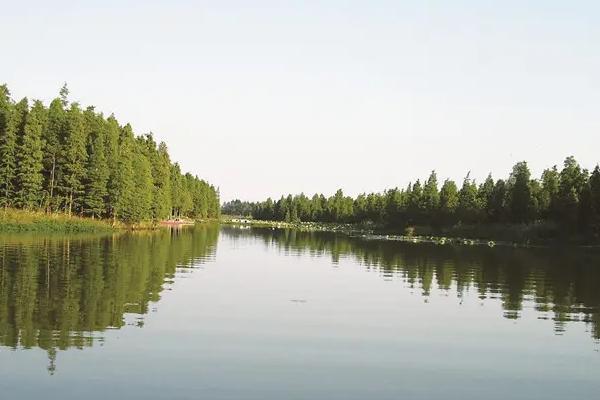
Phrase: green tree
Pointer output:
(572, 181)
(123, 191)
(520, 194)
(431, 196)
(448, 202)
(14, 128)
(97, 173)
(30, 159)
(53, 136)
(74, 159)
(484, 196)
(549, 193)
(468, 204)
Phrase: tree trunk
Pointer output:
(52, 182)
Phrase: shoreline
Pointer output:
(508, 235)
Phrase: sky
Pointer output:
(263, 98)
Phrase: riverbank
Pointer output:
(12, 220)
(537, 234)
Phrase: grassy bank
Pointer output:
(496, 234)
(31, 221)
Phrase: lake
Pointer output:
(227, 313)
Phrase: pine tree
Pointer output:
(484, 196)
(53, 135)
(30, 159)
(572, 181)
(8, 150)
(468, 207)
(497, 209)
(448, 202)
(74, 157)
(161, 205)
(520, 194)
(97, 173)
(431, 197)
(111, 150)
(124, 192)
(141, 207)
(548, 201)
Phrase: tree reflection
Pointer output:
(561, 284)
(61, 292)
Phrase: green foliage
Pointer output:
(29, 178)
(96, 177)
(468, 210)
(14, 126)
(73, 160)
(448, 202)
(81, 163)
(521, 201)
(565, 203)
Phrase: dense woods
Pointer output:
(567, 199)
(64, 158)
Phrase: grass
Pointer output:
(12, 220)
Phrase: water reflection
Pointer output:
(560, 284)
(60, 292)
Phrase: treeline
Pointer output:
(63, 158)
(568, 198)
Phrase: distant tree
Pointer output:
(549, 193)
(572, 181)
(520, 194)
(468, 205)
(484, 196)
(448, 203)
(431, 197)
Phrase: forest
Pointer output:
(64, 158)
(566, 200)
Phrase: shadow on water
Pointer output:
(561, 285)
(59, 292)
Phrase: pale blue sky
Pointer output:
(270, 97)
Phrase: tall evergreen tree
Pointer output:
(30, 159)
(15, 126)
(468, 206)
(53, 136)
(572, 181)
(448, 202)
(521, 199)
(431, 196)
(74, 159)
(97, 173)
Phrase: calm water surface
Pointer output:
(225, 313)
